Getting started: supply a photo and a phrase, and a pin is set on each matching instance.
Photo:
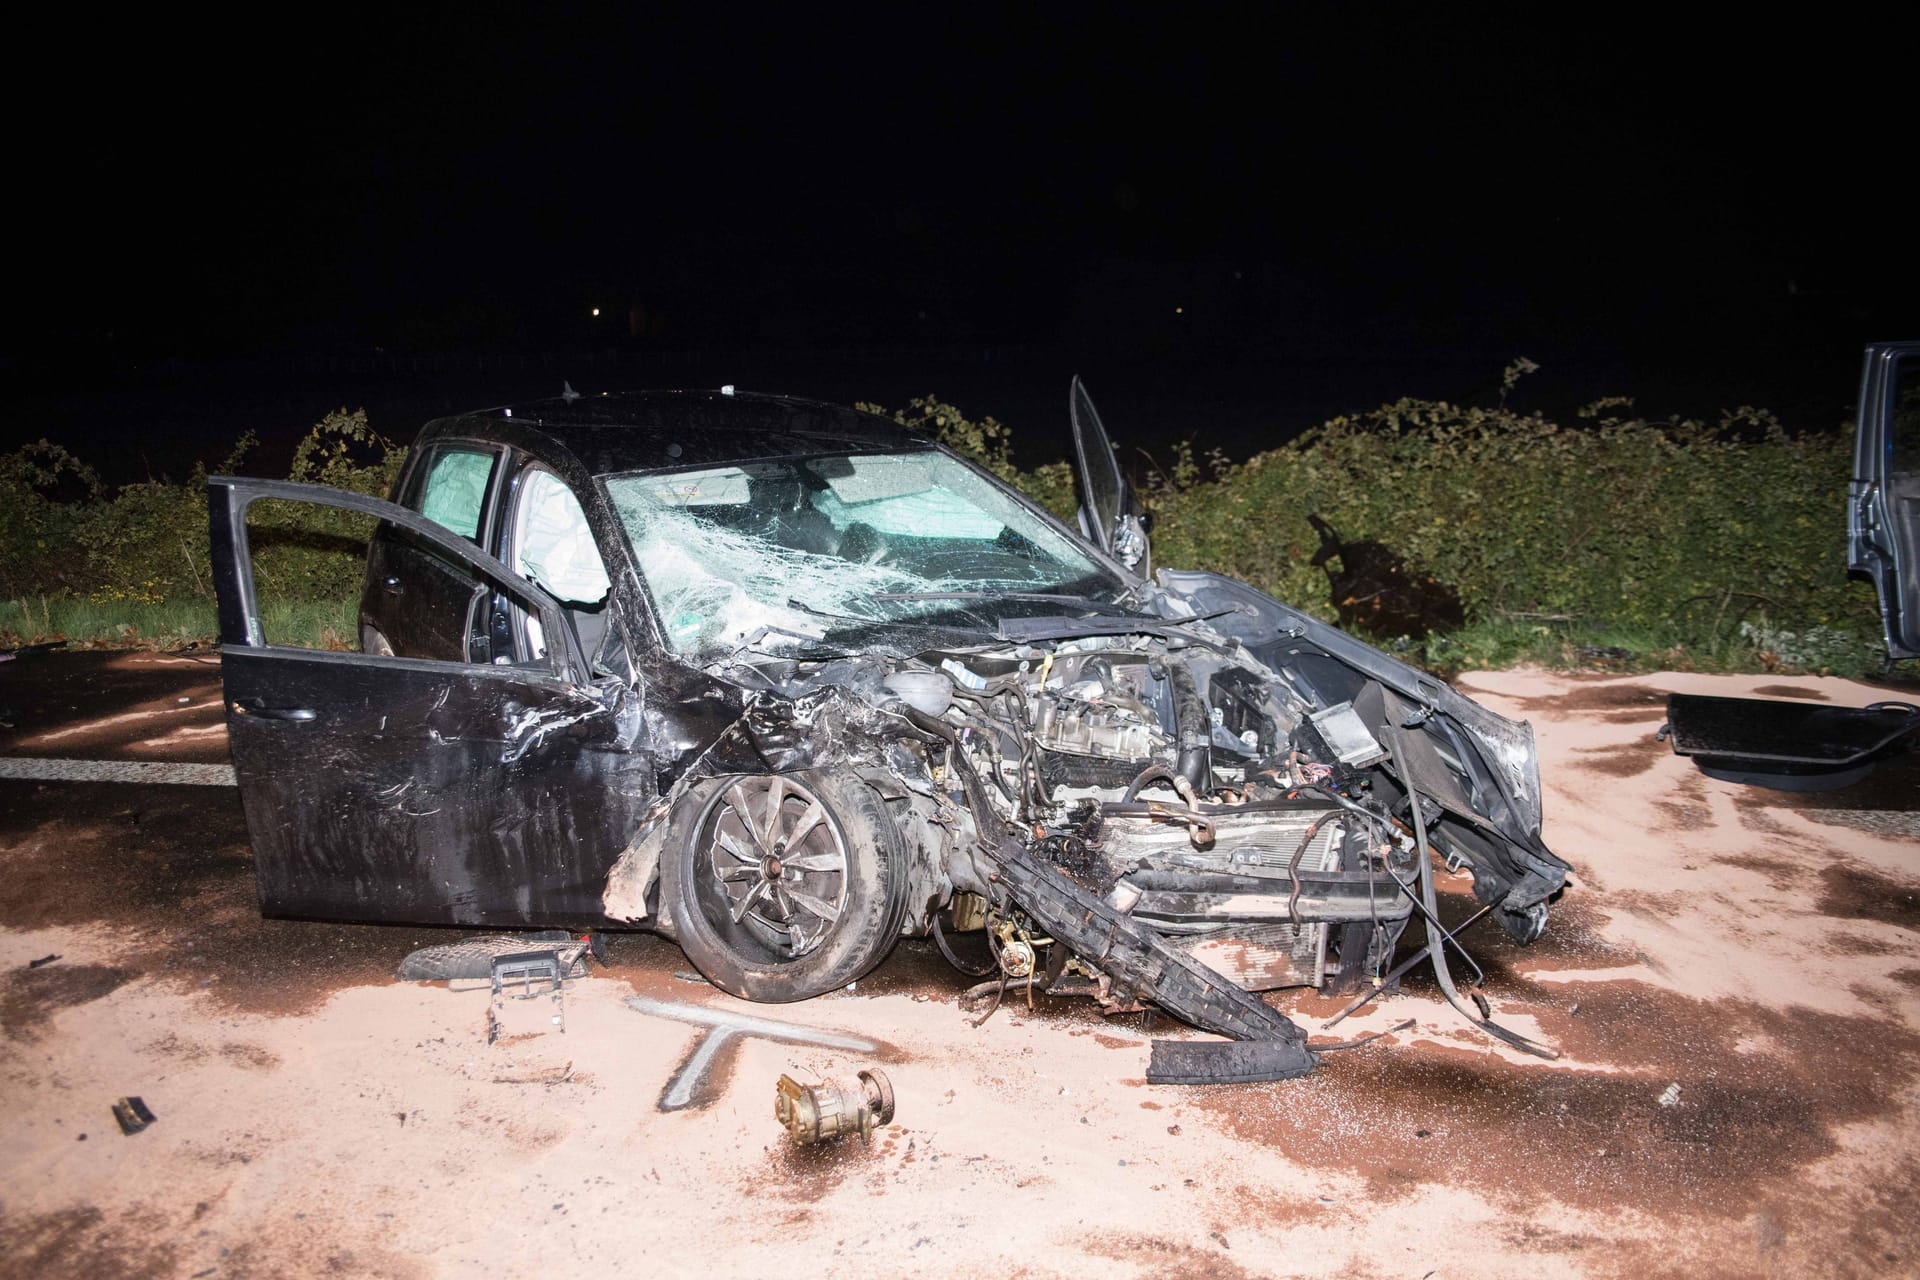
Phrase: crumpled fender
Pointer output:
(828, 728)
(1263, 625)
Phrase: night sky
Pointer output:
(1232, 221)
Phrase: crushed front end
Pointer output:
(1202, 797)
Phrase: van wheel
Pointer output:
(785, 886)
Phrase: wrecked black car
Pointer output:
(787, 682)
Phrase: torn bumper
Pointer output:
(1142, 964)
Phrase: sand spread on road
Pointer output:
(1734, 977)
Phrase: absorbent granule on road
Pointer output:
(207, 775)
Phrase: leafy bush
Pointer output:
(304, 552)
(36, 527)
(1690, 544)
(64, 537)
(1687, 543)
(1622, 521)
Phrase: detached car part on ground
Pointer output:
(1791, 746)
(788, 682)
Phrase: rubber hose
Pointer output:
(1195, 728)
(989, 824)
(1148, 774)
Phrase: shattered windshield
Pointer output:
(802, 547)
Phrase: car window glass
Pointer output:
(553, 544)
(893, 494)
(454, 492)
(796, 547)
(1903, 430)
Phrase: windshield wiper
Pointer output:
(1031, 629)
(1043, 597)
(1203, 617)
(835, 617)
(866, 622)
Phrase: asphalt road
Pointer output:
(1734, 979)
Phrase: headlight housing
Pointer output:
(1510, 748)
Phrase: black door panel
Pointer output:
(412, 791)
(404, 789)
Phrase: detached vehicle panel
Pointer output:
(1883, 517)
(1790, 746)
(787, 682)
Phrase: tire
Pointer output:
(729, 883)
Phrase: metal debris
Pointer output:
(684, 1089)
(472, 959)
(519, 980)
(133, 1115)
(827, 1112)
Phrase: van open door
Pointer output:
(1883, 514)
(1797, 746)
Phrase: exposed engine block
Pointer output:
(1102, 705)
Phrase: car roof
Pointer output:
(646, 430)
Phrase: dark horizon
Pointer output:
(1232, 224)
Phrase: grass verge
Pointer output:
(171, 624)
(1562, 645)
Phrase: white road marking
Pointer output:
(200, 775)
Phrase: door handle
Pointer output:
(299, 715)
(393, 586)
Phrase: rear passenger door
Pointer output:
(419, 602)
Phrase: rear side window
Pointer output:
(1903, 431)
(453, 492)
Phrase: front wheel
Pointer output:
(785, 886)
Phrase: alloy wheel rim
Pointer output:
(778, 862)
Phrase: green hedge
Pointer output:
(1618, 521)
(63, 535)
(1691, 543)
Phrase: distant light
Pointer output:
(727, 390)
(1179, 311)
(596, 311)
